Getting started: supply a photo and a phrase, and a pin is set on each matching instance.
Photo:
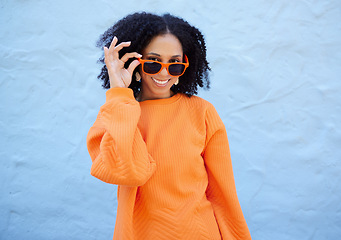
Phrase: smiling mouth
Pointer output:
(161, 82)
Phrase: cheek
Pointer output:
(144, 76)
(173, 80)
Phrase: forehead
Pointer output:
(164, 45)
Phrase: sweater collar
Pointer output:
(162, 101)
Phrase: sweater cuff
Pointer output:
(122, 93)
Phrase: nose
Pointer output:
(164, 72)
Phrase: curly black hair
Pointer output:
(141, 28)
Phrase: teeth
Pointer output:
(160, 82)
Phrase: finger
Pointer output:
(113, 43)
(108, 57)
(106, 53)
(132, 66)
(121, 45)
(130, 55)
(112, 47)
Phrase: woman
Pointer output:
(165, 149)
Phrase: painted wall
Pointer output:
(276, 82)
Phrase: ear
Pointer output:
(138, 76)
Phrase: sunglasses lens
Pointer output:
(151, 67)
(176, 69)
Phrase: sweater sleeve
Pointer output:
(118, 152)
(221, 190)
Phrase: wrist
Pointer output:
(117, 85)
(117, 92)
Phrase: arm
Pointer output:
(221, 190)
(116, 147)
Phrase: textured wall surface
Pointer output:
(276, 82)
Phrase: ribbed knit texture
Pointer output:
(171, 160)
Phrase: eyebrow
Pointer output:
(156, 54)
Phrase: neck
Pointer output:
(144, 97)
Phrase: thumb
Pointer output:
(132, 66)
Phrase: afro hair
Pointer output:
(141, 28)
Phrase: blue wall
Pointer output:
(276, 82)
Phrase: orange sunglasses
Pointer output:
(175, 69)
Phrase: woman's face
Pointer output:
(163, 48)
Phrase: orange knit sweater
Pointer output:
(171, 160)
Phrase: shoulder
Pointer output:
(210, 114)
(197, 102)
(202, 108)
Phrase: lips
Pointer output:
(160, 83)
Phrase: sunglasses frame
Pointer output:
(165, 65)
